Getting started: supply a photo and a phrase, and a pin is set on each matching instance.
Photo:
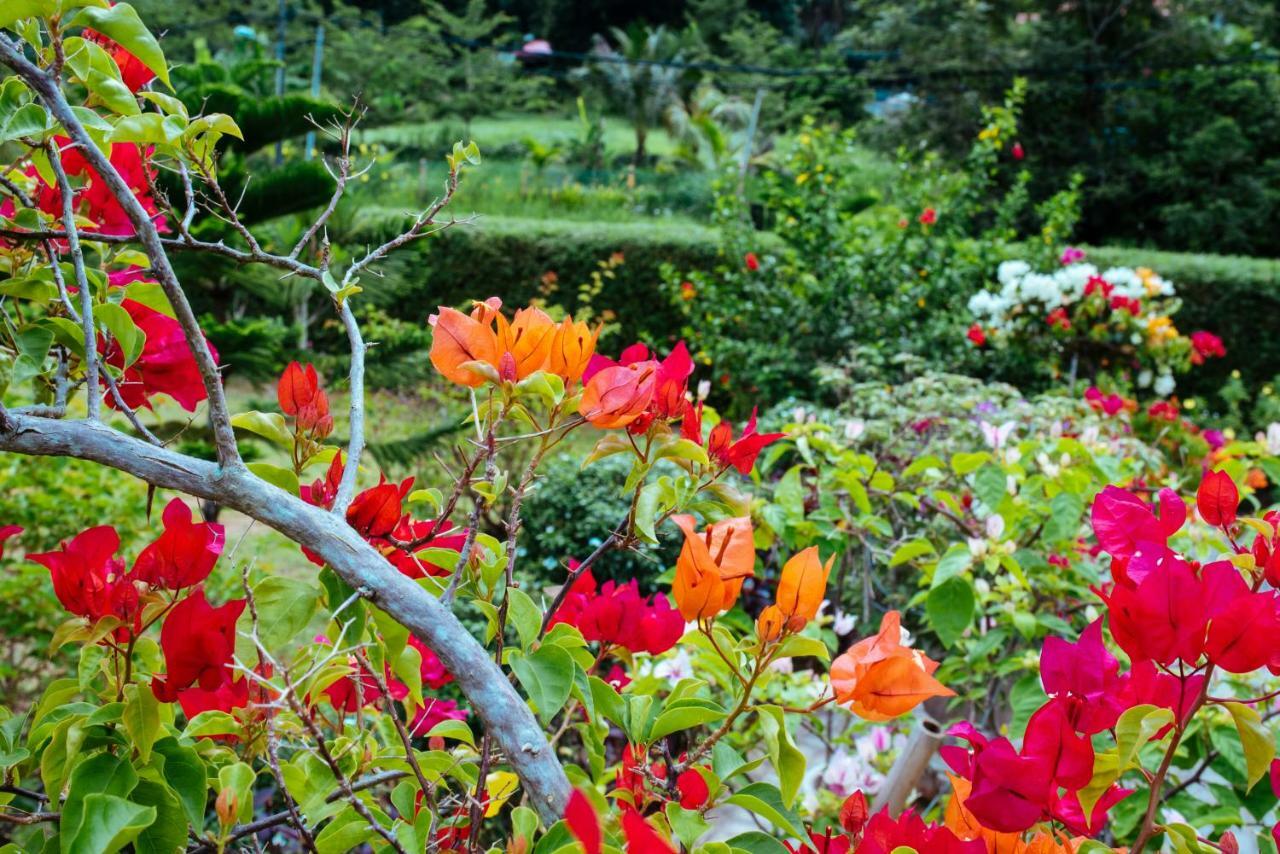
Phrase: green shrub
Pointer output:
(510, 257)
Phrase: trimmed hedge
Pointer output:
(509, 257)
(1237, 298)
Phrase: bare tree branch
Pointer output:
(93, 391)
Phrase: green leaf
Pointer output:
(285, 607)
(122, 24)
(1259, 745)
(110, 823)
(123, 329)
(276, 476)
(547, 677)
(12, 11)
(756, 842)
(1065, 510)
(966, 463)
(909, 551)
(522, 611)
(990, 485)
(688, 825)
(141, 718)
(455, 730)
(955, 561)
(684, 714)
(268, 425)
(787, 759)
(765, 800)
(798, 646)
(100, 774)
(950, 609)
(98, 71)
(184, 771)
(168, 833)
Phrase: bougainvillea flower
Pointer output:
(692, 788)
(95, 200)
(1110, 404)
(1085, 676)
(376, 511)
(616, 396)
(185, 552)
(1122, 521)
(524, 343)
(965, 826)
(670, 382)
(641, 836)
(1012, 790)
(321, 492)
(618, 615)
(770, 623)
(880, 679)
(802, 587)
(1206, 345)
(434, 674)
(1071, 255)
(583, 822)
(88, 579)
(7, 532)
(198, 641)
(885, 834)
(426, 534)
(353, 691)
(571, 349)
(712, 565)
(165, 365)
(232, 693)
(1217, 499)
(1018, 151)
(826, 842)
(752, 262)
(1244, 634)
(434, 711)
(977, 335)
(854, 813)
(928, 216)
(458, 340)
(740, 454)
(300, 396)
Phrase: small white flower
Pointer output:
(1273, 437)
(854, 429)
(1144, 378)
(674, 668)
(977, 546)
(797, 415)
(995, 526)
(994, 436)
(843, 623)
(1164, 385)
(783, 665)
(704, 389)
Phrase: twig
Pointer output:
(92, 390)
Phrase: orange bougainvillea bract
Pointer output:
(880, 679)
(712, 566)
(802, 587)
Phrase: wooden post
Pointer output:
(910, 767)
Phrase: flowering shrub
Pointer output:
(212, 705)
(1082, 322)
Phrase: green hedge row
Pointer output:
(511, 257)
(1238, 298)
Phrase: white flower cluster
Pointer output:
(1023, 290)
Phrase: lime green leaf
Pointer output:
(276, 476)
(1259, 745)
(684, 714)
(909, 551)
(455, 730)
(168, 833)
(787, 759)
(285, 607)
(184, 771)
(268, 425)
(110, 823)
(141, 718)
(765, 800)
(123, 329)
(122, 24)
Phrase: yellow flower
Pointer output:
(801, 178)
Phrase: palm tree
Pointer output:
(708, 127)
(635, 81)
